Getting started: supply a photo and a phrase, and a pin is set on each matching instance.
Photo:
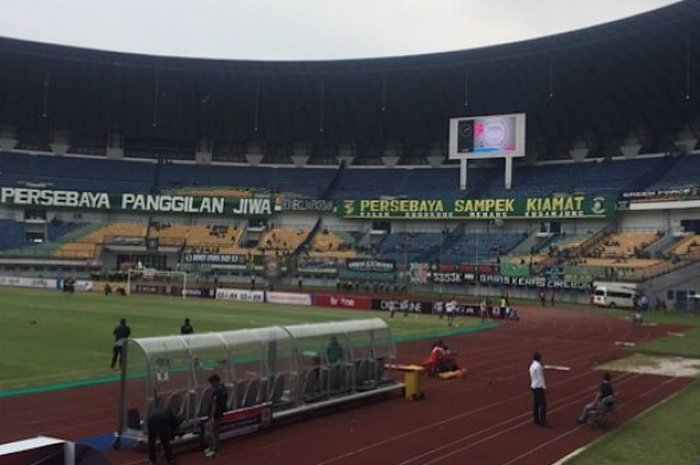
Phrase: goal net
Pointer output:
(155, 282)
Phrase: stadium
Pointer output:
(281, 205)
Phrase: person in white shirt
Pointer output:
(451, 309)
(539, 388)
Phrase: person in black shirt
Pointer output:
(604, 399)
(121, 334)
(187, 327)
(162, 425)
(219, 402)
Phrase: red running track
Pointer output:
(484, 418)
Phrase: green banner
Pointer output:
(562, 207)
(514, 270)
(344, 273)
(126, 202)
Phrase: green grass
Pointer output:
(688, 346)
(72, 338)
(665, 436)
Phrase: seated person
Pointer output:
(513, 315)
(441, 359)
(434, 361)
(604, 399)
(449, 360)
(335, 351)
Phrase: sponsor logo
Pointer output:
(239, 295)
(598, 205)
(289, 298)
(299, 205)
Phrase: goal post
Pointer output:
(152, 281)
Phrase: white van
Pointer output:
(613, 297)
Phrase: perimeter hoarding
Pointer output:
(561, 207)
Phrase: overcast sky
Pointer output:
(301, 29)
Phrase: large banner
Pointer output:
(368, 269)
(135, 203)
(576, 206)
(536, 282)
(656, 195)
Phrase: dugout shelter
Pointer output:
(290, 369)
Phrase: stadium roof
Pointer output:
(634, 76)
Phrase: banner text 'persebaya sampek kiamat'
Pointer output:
(134, 203)
(575, 206)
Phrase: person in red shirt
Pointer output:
(434, 362)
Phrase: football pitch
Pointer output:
(49, 338)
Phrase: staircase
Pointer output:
(533, 243)
(664, 244)
(329, 191)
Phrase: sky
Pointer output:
(301, 29)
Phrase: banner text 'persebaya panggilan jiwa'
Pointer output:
(130, 202)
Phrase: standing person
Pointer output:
(645, 302)
(503, 306)
(551, 298)
(635, 302)
(483, 310)
(439, 307)
(186, 328)
(219, 400)
(121, 334)
(538, 387)
(450, 310)
(162, 425)
(604, 399)
(405, 307)
(543, 298)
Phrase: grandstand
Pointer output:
(608, 130)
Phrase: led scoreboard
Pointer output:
(499, 136)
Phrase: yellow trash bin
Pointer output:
(412, 377)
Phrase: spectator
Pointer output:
(604, 399)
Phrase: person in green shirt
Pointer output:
(335, 351)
